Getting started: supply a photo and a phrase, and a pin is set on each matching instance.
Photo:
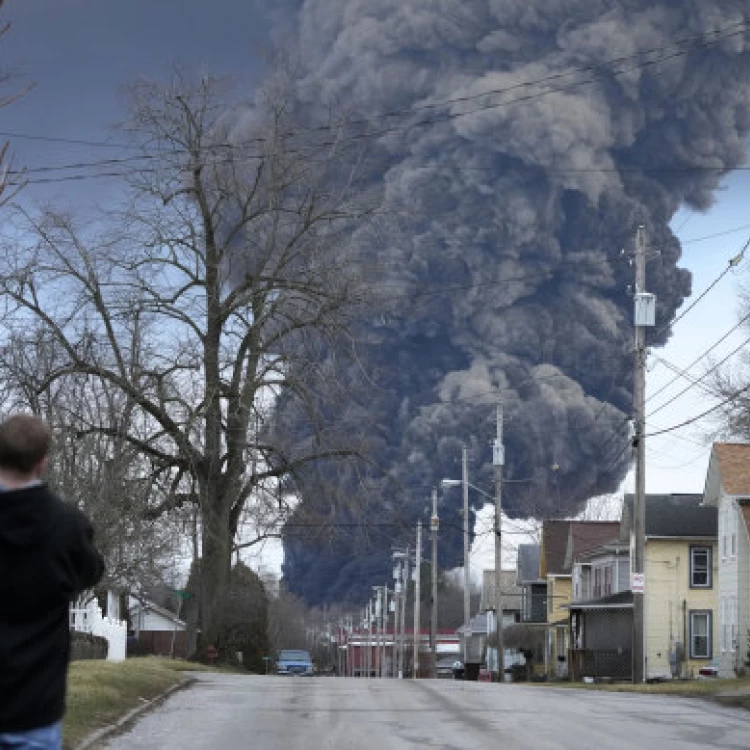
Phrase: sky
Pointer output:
(80, 53)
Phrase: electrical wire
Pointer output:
(728, 32)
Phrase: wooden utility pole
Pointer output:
(418, 600)
(434, 527)
(498, 459)
(645, 305)
(467, 576)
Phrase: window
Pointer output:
(607, 580)
(700, 634)
(597, 583)
(700, 568)
(724, 626)
(733, 643)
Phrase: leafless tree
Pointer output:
(11, 181)
(209, 297)
(100, 471)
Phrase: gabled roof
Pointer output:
(563, 541)
(675, 516)
(528, 563)
(733, 463)
(588, 535)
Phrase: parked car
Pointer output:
(709, 671)
(293, 662)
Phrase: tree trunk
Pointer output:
(215, 566)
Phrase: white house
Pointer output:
(728, 488)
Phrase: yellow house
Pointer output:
(681, 570)
(680, 596)
(562, 542)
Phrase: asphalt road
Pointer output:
(223, 712)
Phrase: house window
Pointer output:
(607, 581)
(700, 567)
(700, 634)
(597, 583)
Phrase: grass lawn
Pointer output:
(100, 692)
(696, 688)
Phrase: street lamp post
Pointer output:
(464, 482)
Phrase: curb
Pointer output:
(105, 732)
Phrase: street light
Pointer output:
(465, 483)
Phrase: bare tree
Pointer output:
(10, 182)
(208, 298)
(99, 470)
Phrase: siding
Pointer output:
(669, 600)
(729, 584)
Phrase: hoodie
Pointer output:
(47, 558)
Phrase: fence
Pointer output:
(88, 619)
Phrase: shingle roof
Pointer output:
(588, 535)
(734, 467)
(564, 540)
(554, 547)
(528, 563)
(674, 516)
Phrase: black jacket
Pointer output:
(47, 557)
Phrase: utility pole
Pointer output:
(402, 629)
(645, 307)
(467, 577)
(417, 600)
(434, 527)
(498, 459)
(378, 627)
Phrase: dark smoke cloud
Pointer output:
(545, 191)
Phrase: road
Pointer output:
(228, 712)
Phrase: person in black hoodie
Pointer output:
(47, 558)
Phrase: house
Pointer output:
(680, 598)
(562, 542)
(479, 627)
(533, 588)
(511, 594)
(727, 490)
(158, 631)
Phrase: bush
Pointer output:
(87, 646)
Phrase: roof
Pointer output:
(734, 467)
(554, 547)
(622, 600)
(589, 535)
(677, 516)
(528, 563)
(156, 609)
(563, 541)
(510, 589)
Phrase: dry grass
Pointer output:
(687, 687)
(100, 692)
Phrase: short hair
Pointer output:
(24, 442)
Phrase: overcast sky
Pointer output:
(79, 53)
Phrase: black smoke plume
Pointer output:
(501, 269)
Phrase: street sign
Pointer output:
(182, 594)
(638, 583)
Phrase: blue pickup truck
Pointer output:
(294, 662)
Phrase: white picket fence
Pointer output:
(89, 619)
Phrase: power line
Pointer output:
(733, 263)
(728, 32)
(682, 373)
(700, 416)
